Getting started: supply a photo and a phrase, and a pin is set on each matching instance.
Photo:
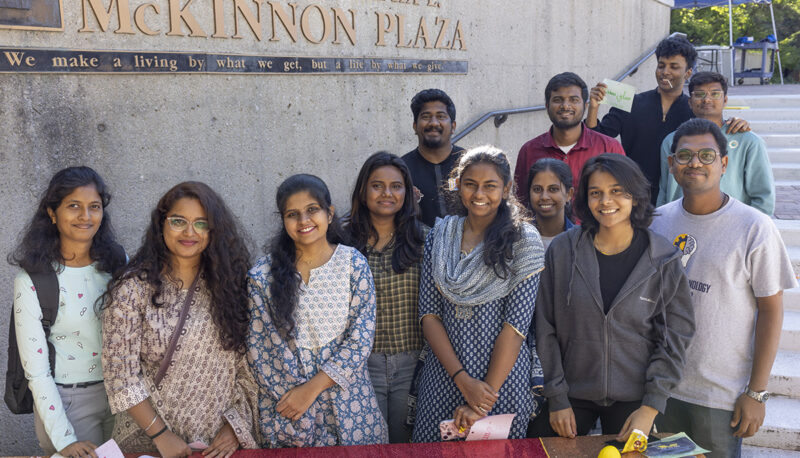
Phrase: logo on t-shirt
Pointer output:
(687, 244)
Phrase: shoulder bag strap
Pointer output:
(46, 285)
(173, 342)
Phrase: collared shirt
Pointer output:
(590, 144)
(430, 178)
(397, 328)
(643, 129)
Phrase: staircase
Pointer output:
(776, 118)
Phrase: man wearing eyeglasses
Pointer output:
(737, 267)
(748, 176)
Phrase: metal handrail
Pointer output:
(501, 116)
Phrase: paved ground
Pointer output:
(765, 89)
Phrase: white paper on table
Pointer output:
(619, 95)
(198, 445)
(109, 450)
(492, 427)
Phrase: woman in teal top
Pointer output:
(71, 234)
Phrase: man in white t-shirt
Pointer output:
(737, 267)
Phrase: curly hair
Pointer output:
(629, 176)
(432, 95)
(409, 235)
(40, 246)
(506, 229)
(285, 284)
(224, 263)
(677, 46)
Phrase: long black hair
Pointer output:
(40, 247)
(632, 180)
(506, 228)
(224, 263)
(408, 233)
(561, 170)
(285, 284)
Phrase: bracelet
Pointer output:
(153, 437)
(453, 377)
(155, 417)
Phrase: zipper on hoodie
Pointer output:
(605, 358)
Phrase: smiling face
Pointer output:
(707, 107)
(695, 177)
(186, 244)
(385, 191)
(78, 216)
(565, 107)
(433, 125)
(305, 220)
(482, 190)
(672, 72)
(548, 195)
(608, 201)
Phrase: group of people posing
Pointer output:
(452, 288)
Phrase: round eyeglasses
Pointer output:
(705, 156)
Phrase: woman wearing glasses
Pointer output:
(613, 314)
(175, 329)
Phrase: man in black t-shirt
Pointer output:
(434, 157)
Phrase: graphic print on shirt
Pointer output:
(688, 245)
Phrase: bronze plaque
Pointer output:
(32, 15)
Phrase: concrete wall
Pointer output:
(244, 134)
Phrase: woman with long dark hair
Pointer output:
(175, 331)
(71, 234)
(383, 226)
(613, 316)
(312, 326)
(480, 273)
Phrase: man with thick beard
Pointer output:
(568, 139)
(432, 160)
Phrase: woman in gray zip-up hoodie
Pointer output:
(613, 314)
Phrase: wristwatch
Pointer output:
(760, 396)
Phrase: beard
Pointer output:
(566, 124)
(433, 143)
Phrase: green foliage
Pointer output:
(709, 26)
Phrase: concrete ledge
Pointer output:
(785, 376)
(790, 336)
(781, 427)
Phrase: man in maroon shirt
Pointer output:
(568, 139)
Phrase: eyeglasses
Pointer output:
(705, 156)
(700, 95)
(179, 225)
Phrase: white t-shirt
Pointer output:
(731, 257)
(568, 148)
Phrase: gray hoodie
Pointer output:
(637, 350)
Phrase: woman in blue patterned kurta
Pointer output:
(312, 326)
(480, 274)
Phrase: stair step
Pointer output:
(791, 299)
(786, 171)
(750, 451)
(784, 380)
(783, 154)
(781, 428)
(790, 231)
(790, 335)
(781, 140)
(761, 114)
(794, 255)
(775, 126)
(765, 101)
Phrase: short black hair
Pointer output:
(700, 126)
(564, 80)
(674, 46)
(629, 176)
(701, 78)
(432, 95)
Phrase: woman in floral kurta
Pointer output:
(333, 317)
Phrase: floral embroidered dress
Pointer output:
(335, 326)
(204, 387)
